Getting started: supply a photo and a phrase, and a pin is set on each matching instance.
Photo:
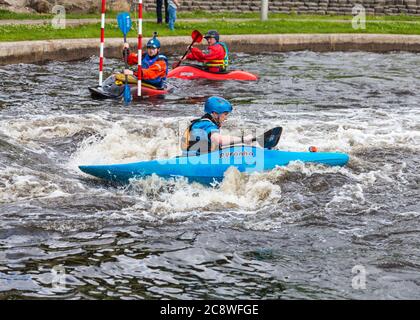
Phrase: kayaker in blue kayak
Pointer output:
(203, 135)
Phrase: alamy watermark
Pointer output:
(240, 154)
(58, 280)
(59, 20)
(6, 279)
(359, 17)
(358, 282)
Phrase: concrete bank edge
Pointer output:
(75, 49)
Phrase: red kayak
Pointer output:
(190, 73)
(147, 92)
(100, 93)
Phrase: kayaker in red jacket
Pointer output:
(217, 57)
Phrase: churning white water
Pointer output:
(293, 232)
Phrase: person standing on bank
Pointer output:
(159, 4)
(172, 6)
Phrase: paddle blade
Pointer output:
(270, 138)
(124, 22)
(196, 36)
(127, 94)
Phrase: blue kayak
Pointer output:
(211, 167)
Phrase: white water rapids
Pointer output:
(293, 232)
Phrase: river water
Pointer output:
(297, 232)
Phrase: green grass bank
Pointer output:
(45, 32)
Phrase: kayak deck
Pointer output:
(211, 167)
(189, 72)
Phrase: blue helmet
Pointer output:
(154, 42)
(217, 104)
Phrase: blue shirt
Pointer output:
(202, 129)
(200, 134)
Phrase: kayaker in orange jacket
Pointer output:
(217, 57)
(154, 65)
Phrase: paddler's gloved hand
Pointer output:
(247, 139)
(128, 72)
(126, 50)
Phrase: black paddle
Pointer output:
(268, 140)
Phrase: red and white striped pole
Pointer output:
(101, 53)
(139, 45)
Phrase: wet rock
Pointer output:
(120, 5)
(4, 3)
(40, 6)
(79, 6)
(15, 6)
(91, 6)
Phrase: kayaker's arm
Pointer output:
(215, 53)
(223, 140)
(195, 54)
(158, 69)
(132, 58)
(126, 49)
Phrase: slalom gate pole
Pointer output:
(139, 45)
(101, 52)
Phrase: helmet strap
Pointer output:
(216, 120)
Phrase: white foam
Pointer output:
(350, 197)
(128, 141)
(17, 185)
(30, 131)
(342, 130)
(237, 192)
(345, 129)
(413, 214)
